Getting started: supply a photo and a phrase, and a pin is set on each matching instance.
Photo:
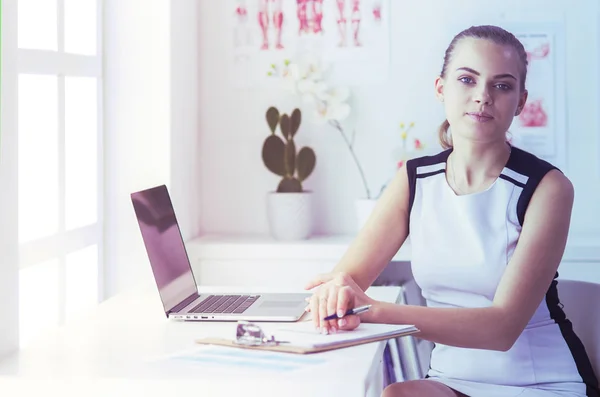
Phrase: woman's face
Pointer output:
(481, 89)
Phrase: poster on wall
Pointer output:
(535, 129)
(350, 36)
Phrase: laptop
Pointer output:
(176, 282)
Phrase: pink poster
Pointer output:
(350, 35)
(535, 128)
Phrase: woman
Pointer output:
(488, 226)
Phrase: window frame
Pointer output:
(9, 270)
(61, 64)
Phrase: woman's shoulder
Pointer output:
(428, 160)
(529, 170)
(529, 165)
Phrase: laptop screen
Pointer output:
(164, 245)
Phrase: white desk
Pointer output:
(109, 352)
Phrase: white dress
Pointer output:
(460, 247)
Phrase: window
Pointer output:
(59, 91)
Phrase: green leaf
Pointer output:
(296, 120)
(273, 154)
(305, 163)
(285, 125)
(272, 118)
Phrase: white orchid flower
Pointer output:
(335, 95)
(289, 79)
(312, 87)
(315, 72)
(311, 68)
(338, 111)
(333, 111)
(308, 98)
(290, 72)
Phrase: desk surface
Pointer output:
(115, 348)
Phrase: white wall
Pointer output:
(151, 114)
(137, 127)
(9, 266)
(233, 181)
(184, 114)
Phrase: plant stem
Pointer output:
(337, 125)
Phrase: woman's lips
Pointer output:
(480, 117)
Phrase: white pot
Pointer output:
(363, 208)
(290, 215)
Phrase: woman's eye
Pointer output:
(466, 80)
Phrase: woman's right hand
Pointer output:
(336, 293)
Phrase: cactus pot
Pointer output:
(290, 215)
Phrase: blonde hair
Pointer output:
(496, 35)
(445, 140)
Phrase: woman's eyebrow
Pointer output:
(498, 76)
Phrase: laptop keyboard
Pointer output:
(225, 304)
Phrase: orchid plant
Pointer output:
(327, 103)
(409, 146)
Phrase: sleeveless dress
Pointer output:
(460, 247)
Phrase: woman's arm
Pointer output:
(382, 236)
(524, 284)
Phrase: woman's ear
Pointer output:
(522, 102)
(439, 88)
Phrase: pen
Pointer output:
(356, 310)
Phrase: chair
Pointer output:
(581, 302)
(406, 352)
(410, 355)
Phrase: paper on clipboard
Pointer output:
(304, 334)
(303, 338)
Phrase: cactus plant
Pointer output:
(279, 154)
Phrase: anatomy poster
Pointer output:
(351, 36)
(535, 129)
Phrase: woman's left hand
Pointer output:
(337, 293)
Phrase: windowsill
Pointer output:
(323, 247)
(265, 247)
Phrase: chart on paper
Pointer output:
(218, 357)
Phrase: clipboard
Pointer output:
(251, 336)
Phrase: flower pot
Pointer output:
(363, 208)
(290, 215)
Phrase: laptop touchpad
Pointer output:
(278, 304)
